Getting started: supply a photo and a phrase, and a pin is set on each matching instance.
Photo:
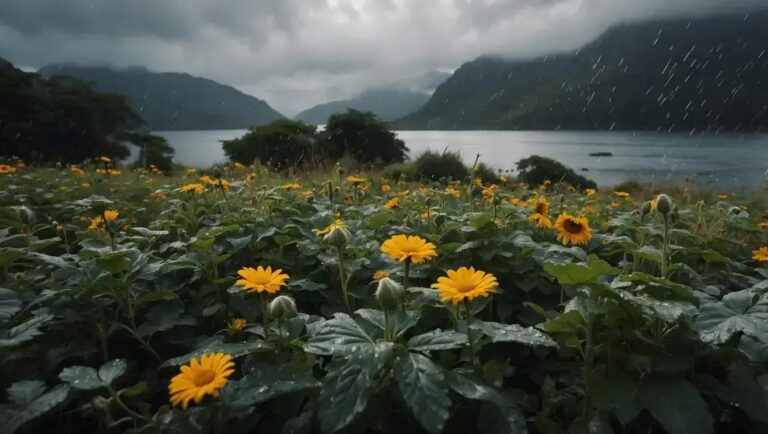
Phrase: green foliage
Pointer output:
(282, 143)
(534, 170)
(153, 151)
(364, 137)
(446, 166)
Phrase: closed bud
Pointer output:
(735, 210)
(663, 204)
(282, 307)
(25, 214)
(216, 172)
(429, 202)
(646, 208)
(338, 237)
(341, 171)
(440, 219)
(389, 294)
(330, 191)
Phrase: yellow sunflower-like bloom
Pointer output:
(236, 325)
(105, 159)
(541, 220)
(722, 196)
(291, 186)
(99, 221)
(6, 169)
(402, 247)
(355, 179)
(760, 254)
(621, 194)
(589, 192)
(332, 226)
(385, 188)
(573, 230)
(380, 274)
(452, 191)
(261, 279)
(392, 203)
(465, 284)
(192, 188)
(198, 379)
(762, 225)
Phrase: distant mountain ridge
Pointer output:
(707, 73)
(174, 101)
(387, 104)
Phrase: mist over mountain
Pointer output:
(387, 104)
(707, 73)
(174, 101)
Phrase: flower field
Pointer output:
(235, 301)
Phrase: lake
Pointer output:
(725, 160)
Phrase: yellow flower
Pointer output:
(292, 186)
(573, 230)
(99, 221)
(206, 179)
(76, 170)
(488, 194)
(348, 199)
(191, 170)
(621, 194)
(415, 248)
(762, 225)
(385, 188)
(380, 274)
(589, 192)
(221, 182)
(760, 254)
(722, 196)
(541, 220)
(261, 279)
(236, 325)
(392, 203)
(465, 284)
(615, 205)
(6, 169)
(105, 159)
(332, 226)
(114, 172)
(85, 185)
(192, 188)
(355, 179)
(238, 165)
(198, 379)
(452, 191)
(307, 193)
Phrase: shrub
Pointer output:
(535, 170)
(396, 171)
(280, 144)
(486, 173)
(433, 166)
(630, 186)
(153, 150)
(363, 136)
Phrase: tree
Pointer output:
(364, 137)
(535, 170)
(280, 144)
(153, 150)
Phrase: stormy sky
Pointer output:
(297, 53)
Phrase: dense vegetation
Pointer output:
(386, 104)
(65, 120)
(174, 101)
(286, 143)
(706, 73)
(138, 303)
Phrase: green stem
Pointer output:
(264, 316)
(470, 339)
(406, 281)
(387, 332)
(665, 249)
(343, 280)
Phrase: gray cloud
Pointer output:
(296, 53)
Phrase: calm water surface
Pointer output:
(724, 160)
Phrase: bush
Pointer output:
(362, 136)
(486, 173)
(280, 144)
(433, 166)
(535, 170)
(630, 186)
(153, 150)
(396, 171)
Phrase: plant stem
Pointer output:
(264, 316)
(665, 249)
(387, 333)
(343, 280)
(468, 310)
(406, 281)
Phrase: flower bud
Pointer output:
(389, 294)
(646, 208)
(341, 171)
(282, 307)
(440, 219)
(663, 204)
(338, 237)
(25, 214)
(330, 191)
(216, 172)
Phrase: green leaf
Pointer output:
(148, 233)
(340, 335)
(438, 340)
(580, 273)
(112, 370)
(9, 304)
(514, 333)
(115, 262)
(466, 384)
(81, 377)
(659, 288)
(614, 393)
(424, 389)
(739, 312)
(25, 331)
(164, 316)
(399, 322)
(676, 404)
(345, 391)
(266, 382)
(9, 254)
(216, 345)
(29, 403)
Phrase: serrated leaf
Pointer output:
(466, 384)
(266, 382)
(112, 370)
(25, 331)
(580, 273)
(9, 304)
(438, 340)
(216, 345)
(345, 391)
(424, 389)
(399, 322)
(81, 377)
(739, 312)
(514, 333)
(676, 404)
(29, 409)
(340, 335)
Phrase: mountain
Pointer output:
(174, 101)
(707, 73)
(387, 104)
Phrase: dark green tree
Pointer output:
(535, 170)
(280, 144)
(362, 136)
(153, 150)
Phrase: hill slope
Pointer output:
(708, 73)
(387, 104)
(174, 101)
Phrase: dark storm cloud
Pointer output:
(296, 53)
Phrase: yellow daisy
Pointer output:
(236, 325)
(6, 169)
(573, 230)
(192, 188)
(332, 226)
(355, 179)
(392, 203)
(589, 192)
(380, 274)
(465, 284)
(623, 194)
(415, 248)
(198, 379)
(291, 186)
(261, 279)
(760, 254)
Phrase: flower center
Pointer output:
(203, 377)
(464, 286)
(541, 209)
(572, 227)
